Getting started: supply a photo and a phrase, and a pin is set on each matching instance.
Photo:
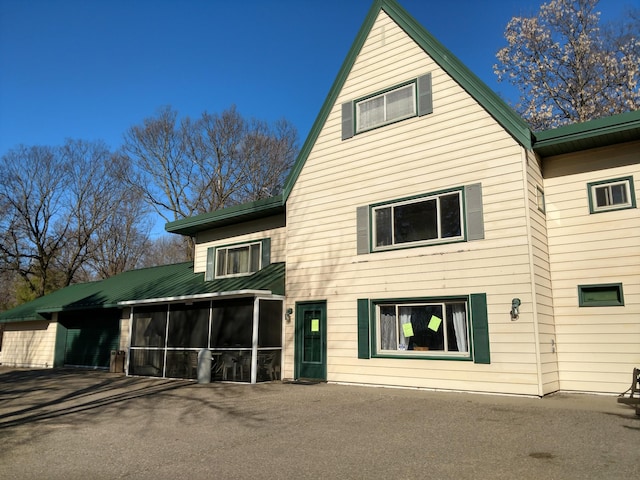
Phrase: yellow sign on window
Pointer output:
(315, 324)
(407, 329)
(434, 323)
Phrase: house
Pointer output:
(425, 238)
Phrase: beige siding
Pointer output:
(597, 346)
(543, 305)
(269, 227)
(458, 144)
(29, 344)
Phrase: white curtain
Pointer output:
(405, 317)
(460, 326)
(388, 339)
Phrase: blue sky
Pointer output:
(90, 69)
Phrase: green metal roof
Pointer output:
(219, 218)
(621, 128)
(147, 285)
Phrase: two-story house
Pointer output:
(425, 238)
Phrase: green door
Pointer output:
(311, 340)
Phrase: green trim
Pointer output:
(380, 93)
(607, 289)
(245, 212)
(364, 347)
(480, 328)
(494, 105)
(420, 243)
(411, 354)
(624, 127)
(632, 195)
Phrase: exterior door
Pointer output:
(311, 340)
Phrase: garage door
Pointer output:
(90, 345)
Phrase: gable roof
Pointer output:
(592, 134)
(487, 98)
(147, 285)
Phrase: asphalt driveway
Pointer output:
(74, 424)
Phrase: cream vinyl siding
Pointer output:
(597, 346)
(269, 227)
(543, 303)
(458, 144)
(29, 344)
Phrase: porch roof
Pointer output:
(166, 283)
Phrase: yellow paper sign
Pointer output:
(407, 329)
(434, 323)
(315, 325)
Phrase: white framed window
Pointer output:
(610, 195)
(236, 260)
(426, 328)
(386, 107)
(430, 219)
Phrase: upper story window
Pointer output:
(451, 215)
(387, 107)
(610, 195)
(410, 99)
(238, 259)
(429, 219)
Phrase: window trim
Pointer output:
(415, 199)
(376, 352)
(382, 93)
(540, 200)
(216, 249)
(582, 290)
(591, 188)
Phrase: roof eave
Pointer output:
(237, 214)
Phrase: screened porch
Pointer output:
(242, 334)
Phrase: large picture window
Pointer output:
(423, 328)
(611, 195)
(435, 218)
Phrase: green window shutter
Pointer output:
(474, 220)
(480, 328)
(362, 231)
(210, 272)
(363, 328)
(347, 120)
(425, 96)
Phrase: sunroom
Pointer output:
(237, 321)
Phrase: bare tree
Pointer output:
(32, 226)
(568, 67)
(57, 202)
(165, 250)
(202, 165)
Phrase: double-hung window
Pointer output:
(435, 327)
(387, 107)
(609, 195)
(430, 219)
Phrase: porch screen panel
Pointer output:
(270, 324)
(232, 323)
(149, 326)
(188, 325)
